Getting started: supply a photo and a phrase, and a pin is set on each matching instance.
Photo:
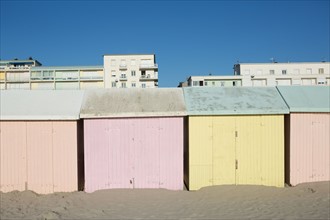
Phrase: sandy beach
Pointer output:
(305, 201)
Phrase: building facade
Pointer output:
(269, 74)
(69, 77)
(15, 74)
(131, 71)
(119, 71)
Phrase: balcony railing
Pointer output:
(148, 66)
(148, 78)
(122, 66)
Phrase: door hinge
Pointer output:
(236, 133)
(236, 164)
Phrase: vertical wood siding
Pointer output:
(236, 150)
(133, 153)
(309, 147)
(39, 155)
(13, 173)
(65, 164)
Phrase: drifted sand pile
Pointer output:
(305, 201)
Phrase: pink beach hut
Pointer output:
(40, 141)
(133, 138)
(307, 129)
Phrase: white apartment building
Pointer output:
(120, 71)
(269, 74)
(130, 71)
(15, 74)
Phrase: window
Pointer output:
(201, 83)
(143, 73)
(133, 73)
(123, 85)
(195, 83)
(283, 72)
(143, 85)
(271, 72)
(113, 84)
(213, 83)
(234, 83)
(321, 71)
(296, 71)
(113, 74)
(123, 75)
(133, 85)
(205, 83)
(222, 83)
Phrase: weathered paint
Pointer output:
(135, 102)
(236, 150)
(39, 155)
(309, 141)
(306, 98)
(133, 153)
(234, 101)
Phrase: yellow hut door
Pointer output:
(249, 144)
(224, 150)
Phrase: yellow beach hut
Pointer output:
(235, 136)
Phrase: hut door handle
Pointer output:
(236, 164)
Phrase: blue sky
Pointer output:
(188, 37)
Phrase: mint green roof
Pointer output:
(234, 101)
(306, 98)
(66, 67)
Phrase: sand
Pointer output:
(305, 201)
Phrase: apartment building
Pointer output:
(130, 71)
(15, 74)
(68, 77)
(120, 71)
(269, 74)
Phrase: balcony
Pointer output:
(148, 78)
(151, 66)
(122, 67)
(123, 77)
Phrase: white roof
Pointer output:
(133, 102)
(40, 104)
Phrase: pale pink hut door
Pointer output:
(133, 153)
(119, 164)
(106, 162)
(144, 152)
(321, 148)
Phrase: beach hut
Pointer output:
(307, 131)
(40, 141)
(133, 138)
(236, 136)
